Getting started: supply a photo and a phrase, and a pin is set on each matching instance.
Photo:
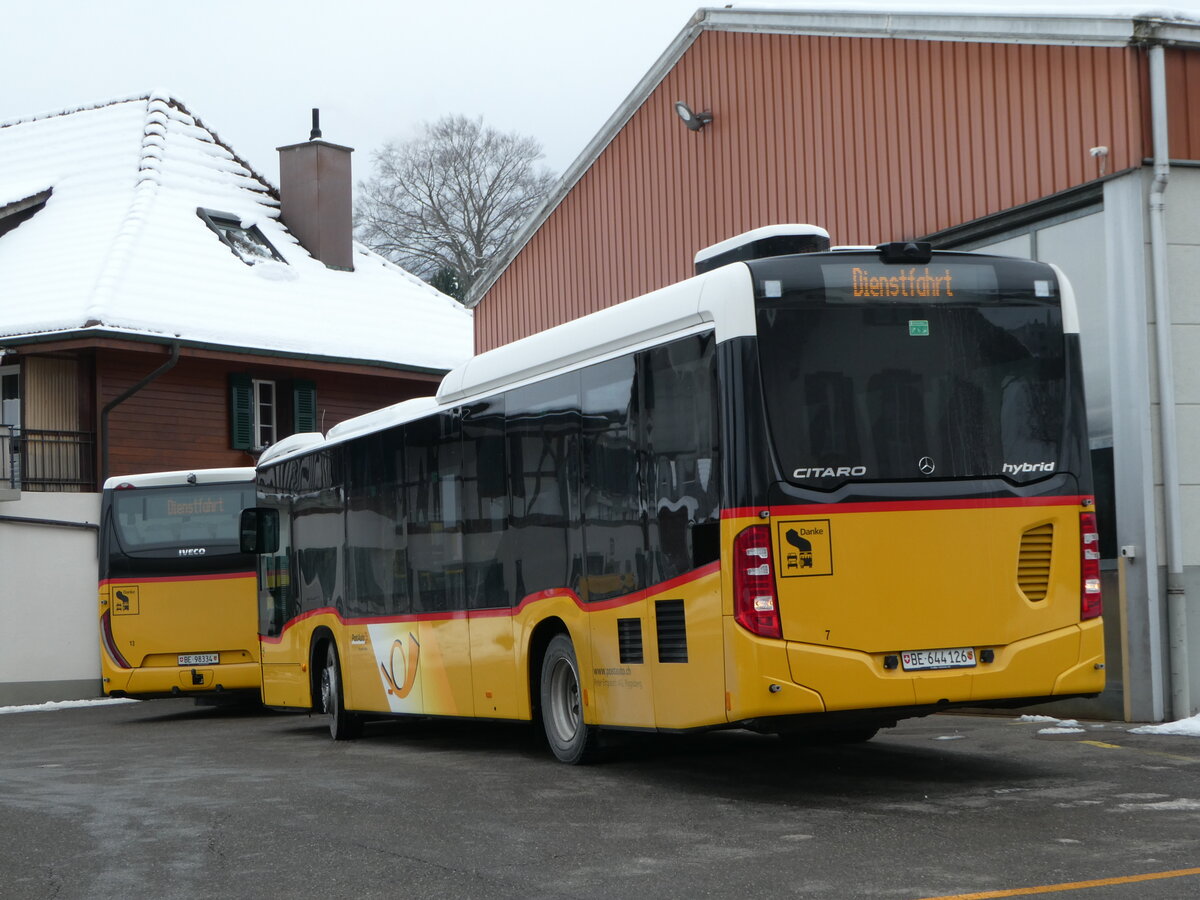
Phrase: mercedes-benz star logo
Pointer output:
(926, 465)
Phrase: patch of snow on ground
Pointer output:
(1055, 726)
(56, 705)
(1187, 727)
(1183, 803)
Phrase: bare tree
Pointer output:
(444, 203)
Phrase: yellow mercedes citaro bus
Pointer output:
(178, 611)
(807, 492)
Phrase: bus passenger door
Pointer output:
(284, 679)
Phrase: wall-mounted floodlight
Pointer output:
(693, 120)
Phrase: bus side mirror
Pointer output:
(259, 528)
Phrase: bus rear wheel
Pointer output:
(571, 740)
(343, 725)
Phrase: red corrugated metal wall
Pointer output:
(875, 139)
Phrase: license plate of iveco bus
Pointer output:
(946, 658)
(199, 659)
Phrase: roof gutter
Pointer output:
(92, 332)
(1181, 705)
(117, 401)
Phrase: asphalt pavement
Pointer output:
(168, 800)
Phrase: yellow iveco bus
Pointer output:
(177, 596)
(807, 492)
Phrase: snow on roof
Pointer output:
(119, 248)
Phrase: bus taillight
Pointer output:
(1090, 605)
(755, 604)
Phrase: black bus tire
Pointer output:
(571, 740)
(343, 725)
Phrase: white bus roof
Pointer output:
(758, 234)
(293, 443)
(183, 476)
(676, 309)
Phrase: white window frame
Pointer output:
(266, 428)
(14, 371)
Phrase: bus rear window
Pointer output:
(158, 518)
(905, 391)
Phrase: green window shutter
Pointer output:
(304, 406)
(241, 412)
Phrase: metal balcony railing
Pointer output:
(43, 460)
(10, 461)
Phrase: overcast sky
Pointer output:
(253, 69)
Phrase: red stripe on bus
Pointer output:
(611, 603)
(807, 509)
(161, 578)
(550, 594)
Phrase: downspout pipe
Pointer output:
(121, 398)
(1181, 704)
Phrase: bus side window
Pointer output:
(318, 529)
(432, 472)
(487, 555)
(376, 533)
(611, 497)
(542, 433)
(275, 588)
(679, 440)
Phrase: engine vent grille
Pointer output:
(629, 641)
(672, 631)
(1033, 567)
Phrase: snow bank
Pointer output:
(1187, 727)
(56, 705)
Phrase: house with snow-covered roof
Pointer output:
(162, 306)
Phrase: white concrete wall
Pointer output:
(1183, 278)
(49, 637)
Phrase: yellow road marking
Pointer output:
(1102, 744)
(1069, 886)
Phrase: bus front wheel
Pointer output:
(571, 739)
(343, 725)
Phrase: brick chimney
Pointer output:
(315, 193)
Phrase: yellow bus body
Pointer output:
(876, 591)
(151, 622)
(890, 578)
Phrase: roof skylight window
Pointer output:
(13, 214)
(246, 242)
